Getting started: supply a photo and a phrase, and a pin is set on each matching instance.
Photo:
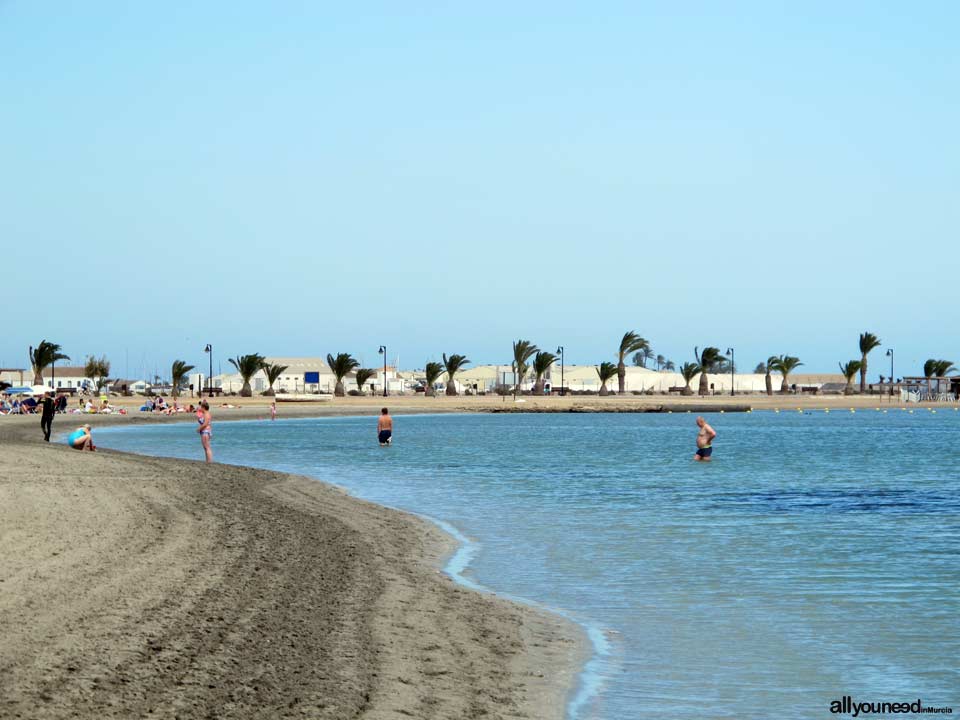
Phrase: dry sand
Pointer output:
(139, 587)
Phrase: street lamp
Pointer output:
(563, 390)
(890, 355)
(383, 351)
(209, 350)
(732, 370)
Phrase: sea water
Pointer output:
(815, 557)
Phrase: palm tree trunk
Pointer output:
(603, 390)
(429, 391)
(246, 390)
(768, 381)
(339, 391)
(784, 387)
(451, 387)
(621, 377)
(704, 383)
(863, 374)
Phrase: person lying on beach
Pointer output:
(81, 439)
(704, 441)
(385, 428)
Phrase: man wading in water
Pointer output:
(704, 441)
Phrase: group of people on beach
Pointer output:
(82, 439)
(29, 405)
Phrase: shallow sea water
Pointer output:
(815, 557)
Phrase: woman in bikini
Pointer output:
(206, 429)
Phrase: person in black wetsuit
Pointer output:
(46, 415)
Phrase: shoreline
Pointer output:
(413, 641)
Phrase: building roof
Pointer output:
(65, 371)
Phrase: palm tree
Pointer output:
(273, 372)
(689, 372)
(523, 350)
(433, 371)
(247, 366)
(930, 368)
(364, 374)
(177, 373)
(849, 371)
(42, 356)
(669, 365)
(944, 368)
(710, 360)
(452, 364)
(784, 364)
(340, 365)
(766, 368)
(661, 360)
(868, 341)
(541, 364)
(631, 342)
(607, 371)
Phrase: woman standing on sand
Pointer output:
(205, 419)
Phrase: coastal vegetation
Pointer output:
(452, 365)
(710, 361)
(938, 368)
(868, 341)
(849, 371)
(42, 357)
(630, 343)
(607, 370)
(542, 362)
(523, 350)
(97, 369)
(432, 373)
(784, 364)
(178, 371)
(340, 366)
(364, 374)
(247, 366)
(689, 371)
(272, 371)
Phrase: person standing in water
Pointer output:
(46, 415)
(273, 410)
(385, 428)
(205, 420)
(704, 441)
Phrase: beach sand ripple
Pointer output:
(144, 587)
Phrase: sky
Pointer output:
(295, 179)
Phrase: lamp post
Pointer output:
(383, 351)
(563, 390)
(209, 350)
(732, 370)
(890, 355)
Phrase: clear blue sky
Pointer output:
(298, 178)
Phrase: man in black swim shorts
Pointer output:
(704, 441)
(385, 427)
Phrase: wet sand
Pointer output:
(145, 587)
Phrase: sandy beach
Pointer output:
(144, 587)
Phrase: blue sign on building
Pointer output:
(311, 378)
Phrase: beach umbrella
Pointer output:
(19, 391)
